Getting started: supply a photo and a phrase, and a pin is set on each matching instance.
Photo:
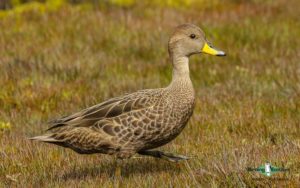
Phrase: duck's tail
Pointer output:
(45, 138)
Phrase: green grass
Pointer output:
(57, 62)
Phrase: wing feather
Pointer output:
(108, 109)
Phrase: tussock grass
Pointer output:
(248, 104)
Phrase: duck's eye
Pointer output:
(192, 36)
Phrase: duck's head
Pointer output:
(189, 39)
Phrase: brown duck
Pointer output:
(141, 121)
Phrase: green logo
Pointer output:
(267, 169)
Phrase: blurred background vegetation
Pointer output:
(60, 56)
(194, 4)
(9, 4)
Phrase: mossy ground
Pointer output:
(56, 62)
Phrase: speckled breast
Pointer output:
(174, 119)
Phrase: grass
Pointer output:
(248, 104)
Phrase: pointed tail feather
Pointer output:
(45, 138)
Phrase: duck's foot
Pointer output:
(162, 155)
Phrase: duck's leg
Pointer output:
(162, 155)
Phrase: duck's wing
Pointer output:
(108, 109)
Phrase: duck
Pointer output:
(139, 122)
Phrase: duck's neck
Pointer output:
(181, 72)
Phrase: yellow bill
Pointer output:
(212, 51)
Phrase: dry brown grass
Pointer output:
(248, 104)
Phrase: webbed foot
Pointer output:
(162, 155)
